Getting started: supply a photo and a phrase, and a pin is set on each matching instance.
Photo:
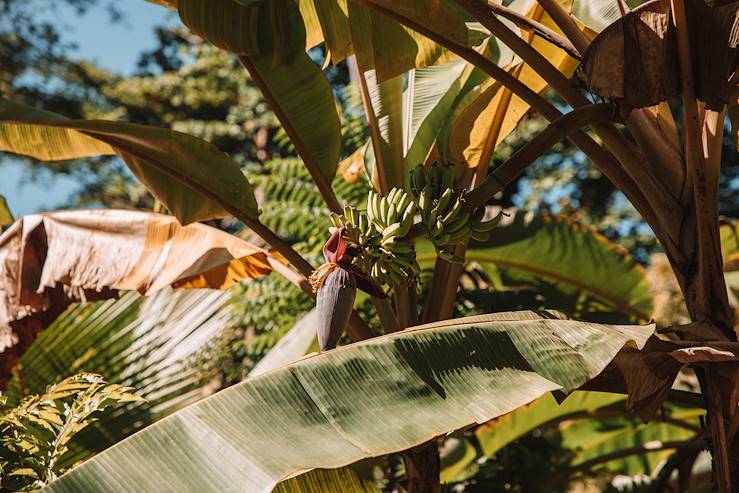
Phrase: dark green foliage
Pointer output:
(35, 435)
(528, 465)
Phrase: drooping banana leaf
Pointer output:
(270, 38)
(573, 267)
(362, 400)
(183, 172)
(49, 260)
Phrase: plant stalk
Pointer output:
(536, 28)
(602, 158)
(658, 187)
(324, 186)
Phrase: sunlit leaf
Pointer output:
(361, 400)
(270, 38)
(183, 172)
(149, 343)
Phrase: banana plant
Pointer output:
(397, 392)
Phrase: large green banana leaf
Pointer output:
(383, 97)
(573, 267)
(145, 342)
(430, 97)
(184, 172)
(270, 39)
(366, 399)
(625, 445)
(153, 343)
(499, 432)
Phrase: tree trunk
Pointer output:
(719, 381)
(422, 468)
(719, 385)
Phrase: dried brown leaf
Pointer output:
(51, 259)
(702, 354)
(634, 60)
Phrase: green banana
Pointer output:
(390, 231)
(418, 179)
(444, 202)
(449, 256)
(401, 247)
(402, 202)
(336, 220)
(484, 227)
(460, 235)
(478, 215)
(371, 211)
(453, 213)
(480, 236)
(457, 224)
(391, 214)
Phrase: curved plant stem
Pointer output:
(566, 23)
(323, 185)
(536, 28)
(658, 185)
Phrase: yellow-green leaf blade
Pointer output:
(184, 172)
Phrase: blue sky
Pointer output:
(112, 46)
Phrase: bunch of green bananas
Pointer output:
(392, 215)
(359, 230)
(394, 263)
(385, 256)
(443, 213)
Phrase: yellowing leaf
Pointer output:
(180, 170)
(480, 120)
(6, 217)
